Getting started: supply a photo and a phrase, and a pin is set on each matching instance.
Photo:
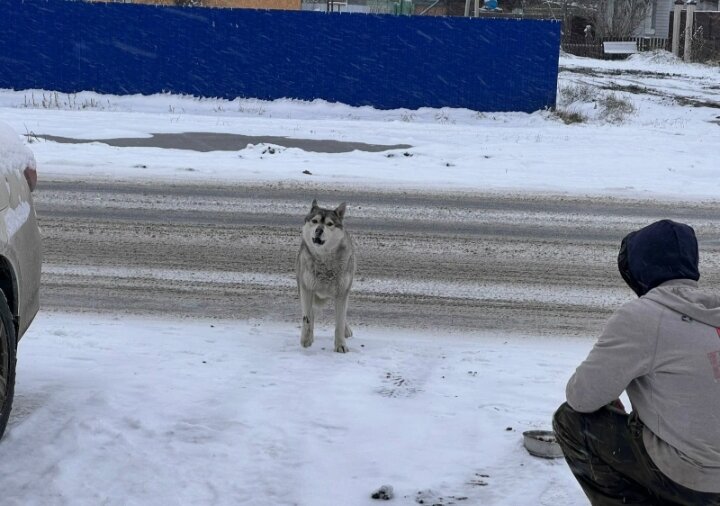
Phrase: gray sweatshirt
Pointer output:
(664, 349)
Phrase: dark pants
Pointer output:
(605, 452)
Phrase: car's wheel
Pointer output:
(7, 362)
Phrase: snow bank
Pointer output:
(650, 128)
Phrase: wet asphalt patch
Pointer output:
(215, 141)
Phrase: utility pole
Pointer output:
(690, 14)
(677, 13)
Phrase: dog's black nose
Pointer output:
(318, 232)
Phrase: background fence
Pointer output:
(705, 39)
(358, 59)
(594, 48)
(705, 35)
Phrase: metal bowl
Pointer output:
(542, 443)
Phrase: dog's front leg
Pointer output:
(340, 312)
(308, 323)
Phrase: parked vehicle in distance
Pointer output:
(20, 257)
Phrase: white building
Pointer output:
(657, 23)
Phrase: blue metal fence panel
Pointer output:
(382, 61)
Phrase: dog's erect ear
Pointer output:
(340, 211)
(314, 205)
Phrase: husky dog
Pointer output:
(325, 268)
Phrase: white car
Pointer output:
(20, 257)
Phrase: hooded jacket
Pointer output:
(664, 349)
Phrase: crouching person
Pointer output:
(664, 350)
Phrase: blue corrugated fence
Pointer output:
(383, 61)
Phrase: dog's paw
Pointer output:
(348, 331)
(341, 348)
(306, 341)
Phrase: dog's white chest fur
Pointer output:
(326, 276)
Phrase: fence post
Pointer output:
(676, 27)
(689, 30)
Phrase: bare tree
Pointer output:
(616, 18)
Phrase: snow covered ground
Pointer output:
(122, 411)
(112, 410)
(663, 143)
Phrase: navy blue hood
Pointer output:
(655, 254)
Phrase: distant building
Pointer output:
(657, 23)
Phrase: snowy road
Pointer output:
(427, 261)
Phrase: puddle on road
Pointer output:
(214, 141)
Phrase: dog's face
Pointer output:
(323, 230)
